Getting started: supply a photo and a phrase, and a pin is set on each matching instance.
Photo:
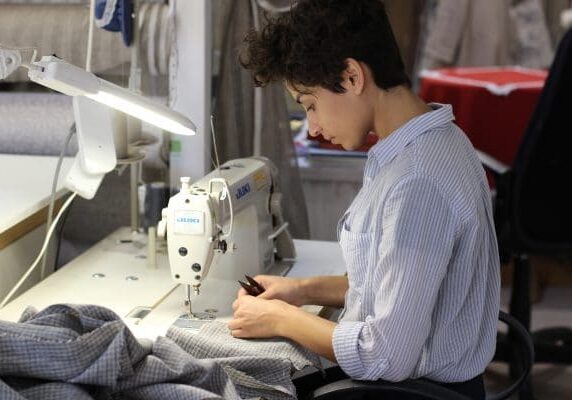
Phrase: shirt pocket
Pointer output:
(357, 252)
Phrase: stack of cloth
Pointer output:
(86, 352)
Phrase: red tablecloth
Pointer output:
(492, 104)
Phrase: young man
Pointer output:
(421, 297)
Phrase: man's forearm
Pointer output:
(308, 330)
(325, 290)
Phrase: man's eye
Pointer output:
(310, 108)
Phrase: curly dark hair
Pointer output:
(308, 45)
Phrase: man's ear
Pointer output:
(353, 77)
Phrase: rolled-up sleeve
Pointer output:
(418, 233)
(347, 347)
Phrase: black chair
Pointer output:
(423, 389)
(533, 205)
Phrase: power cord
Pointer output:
(60, 238)
(42, 251)
(72, 131)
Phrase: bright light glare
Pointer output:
(148, 112)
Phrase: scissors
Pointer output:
(253, 288)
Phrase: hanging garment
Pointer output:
(532, 46)
(115, 16)
(235, 120)
(486, 33)
(468, 33)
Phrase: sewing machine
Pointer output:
(150, 298)
(226, 225)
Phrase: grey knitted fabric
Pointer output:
(35, 123)
(261, 367)
(86, 352)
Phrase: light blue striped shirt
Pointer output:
(422, 259)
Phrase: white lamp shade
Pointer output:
(66, 78)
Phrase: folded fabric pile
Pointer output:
(87, 352)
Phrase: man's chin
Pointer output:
(355, 145)
(349, 147)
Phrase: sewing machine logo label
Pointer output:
(189, 222)
(242, 191)
(260, 180)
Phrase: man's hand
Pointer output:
(255, 317)
(318, 290)
(279, 288)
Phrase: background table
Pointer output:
(26, 183)
(114, 274)
(491, 104)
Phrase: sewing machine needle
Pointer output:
(191, 315)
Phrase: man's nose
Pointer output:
(314, 129)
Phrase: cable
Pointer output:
(257, 115)
(60, 238)
(42, 250)
(53, 195)
(214, 144)
(174, 56)
(90, 35)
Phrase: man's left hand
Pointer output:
(258, 318)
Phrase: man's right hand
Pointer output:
(317, 290)
(281, 288)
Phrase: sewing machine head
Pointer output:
(227, 224)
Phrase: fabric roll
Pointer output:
(44, 1)
(35, 123)
(59, 29)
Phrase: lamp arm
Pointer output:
(96, 150)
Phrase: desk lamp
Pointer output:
(93, 101)
(92, 98)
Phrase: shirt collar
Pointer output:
(386, 149)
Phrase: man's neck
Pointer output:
(395, 107)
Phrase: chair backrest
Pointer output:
(541, 202)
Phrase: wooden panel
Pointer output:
(27, 225)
